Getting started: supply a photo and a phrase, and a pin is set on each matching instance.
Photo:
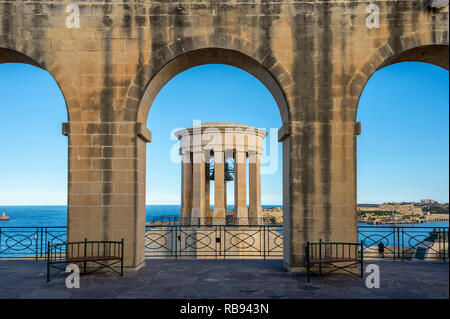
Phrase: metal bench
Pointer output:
(104, 254)
(330, 253)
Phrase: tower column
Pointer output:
(186, 187)
(240, 188)
(219, 187)
(207, 187)
(255, 211)
(198, 187)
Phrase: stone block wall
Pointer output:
(315, 57)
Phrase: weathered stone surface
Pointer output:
(313, 56)
(226, 279)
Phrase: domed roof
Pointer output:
(222, 124)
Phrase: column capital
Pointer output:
(255, 152)
(197, 149)
(254, 157)
(240, 156)
(198, 157)
(186, 157)
(219, 156)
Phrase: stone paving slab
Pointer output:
(255, 279)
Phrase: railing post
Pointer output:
(320, 256)
(307, 260)
(224, 245)
(40, 241)
(444, 232)
(264, 240)
(176, 242)
(398, 242)
(215, 241)
(362, 260)
(403, 244)
(36, 254)
(393, 238)
(85, 254)
(121, 260)
(48, 261)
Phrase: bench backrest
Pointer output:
(337, 250)
(81, 249)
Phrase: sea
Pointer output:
(40, 216)
(46, 216)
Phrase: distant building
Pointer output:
(368, 207)
(398, 208)
(404, 209)
(428, 202)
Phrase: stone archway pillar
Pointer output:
(319, 193)
(107, 185)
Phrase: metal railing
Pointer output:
(230, 241)
(214, 242)
(29, 242)
(198, 221)
(405, 242)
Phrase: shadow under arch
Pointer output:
(47, 63)
(436, 54)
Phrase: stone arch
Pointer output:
(49, 63)
(186, 53)
(189, 52)
(394, 51)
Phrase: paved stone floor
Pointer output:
(225, 279)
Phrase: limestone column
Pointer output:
(255, 212)
(198, 187)
(186, 187)
(225, 201)
(219, 187)
(240, 188)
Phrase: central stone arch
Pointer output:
(190, 52)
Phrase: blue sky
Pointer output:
(403, 151)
